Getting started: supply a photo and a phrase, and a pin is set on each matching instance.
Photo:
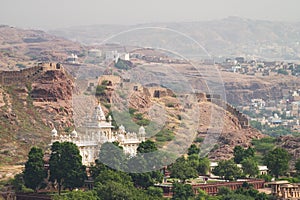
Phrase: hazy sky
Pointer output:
(60, 13)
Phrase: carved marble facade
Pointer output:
(99, 130)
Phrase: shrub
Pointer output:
(164, 135)
(170, 105)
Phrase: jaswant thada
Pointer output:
(99, 130)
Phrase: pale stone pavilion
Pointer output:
(99, 130)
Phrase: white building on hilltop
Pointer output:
(98, 130)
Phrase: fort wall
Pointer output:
(213, 188)
(22, 76)
(216, 99)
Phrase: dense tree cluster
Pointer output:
(277, 161)
(67, 172)
(240, 153)
(228, 170)
(65, 169)
(250, 167)
(191, 167)
(246, 158)
(113, 184)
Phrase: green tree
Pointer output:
(155, 192)
(147, 147)
(114, 191)
(193, 149)
(123, 64)
(202, 195)
(112, 175)
(256, 124)
(236, 197)
(116, 185)
(224, 191)
(203, 166)
(277, 161)
(182, 191)
(100, 90)
(297, 165)
(282, 71)
(248, 191)
(66, 167)
(78, 195)
(18, 182)
(146, 179)
(262, 196)
(266, 177)
(227, 169)
(240, 153)
(34, 172)
(277, 131)
(97, 168)
(249, 152)
(142, 162)
(183, 169)
(113, 156)
(250, 167)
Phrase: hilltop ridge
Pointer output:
(20, 48)
(231, 36)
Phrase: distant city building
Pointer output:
(127, 56)
(115, 55)
(258, 104)
(111, 55)
(98, 130)
(73, 59)
(275, 120)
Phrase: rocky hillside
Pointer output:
(231, 135)
(29, 110)
(168, 113)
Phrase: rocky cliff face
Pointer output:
(52, 96)
(29, 110)
(230, 134)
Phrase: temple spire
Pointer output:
(99, 114)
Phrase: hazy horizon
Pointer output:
(57, 14)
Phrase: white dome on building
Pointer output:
(54, 132)
(122, 129)
(74, 134)
(142, 130)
